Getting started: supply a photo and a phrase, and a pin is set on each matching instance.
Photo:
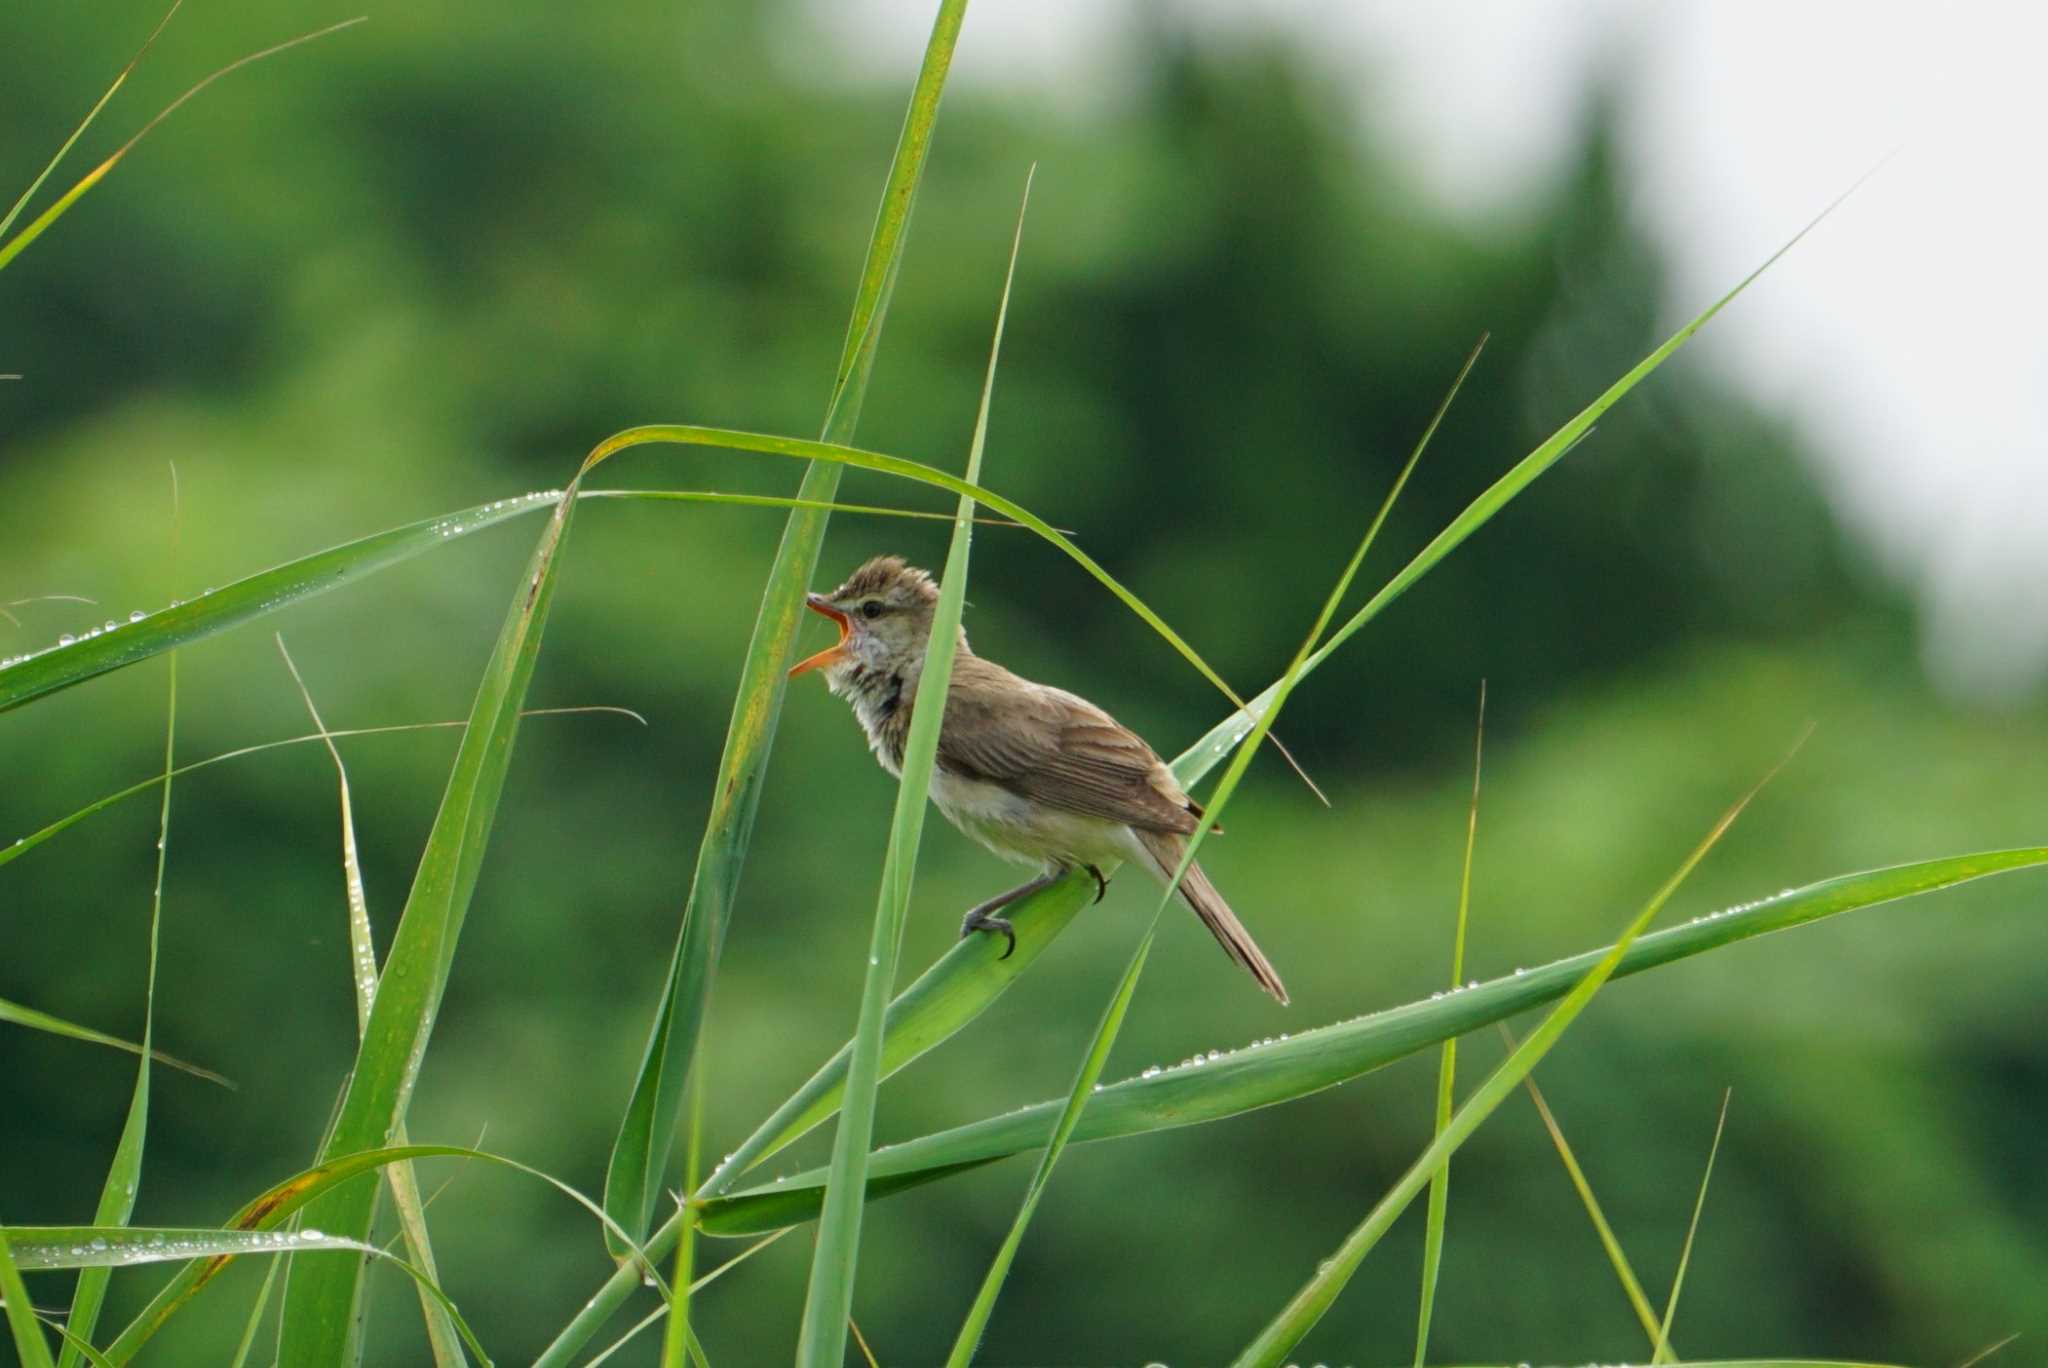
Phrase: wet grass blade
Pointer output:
(1308, 1062)
(1106, 1031)
(1308, 1306)
(97, 652)
(101, 1248)
(124, 1175)
(15, 245)
(322, 1290)
(828, 1305)
(29, 1344)
(442, 1334)
(268, 1212)
(1447, 1068)
(1663, 1352)
(647, 1130)
(15, 1013)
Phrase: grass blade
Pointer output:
(1663, 1352)
(828, 1305)
(1308, 1062)
(1631, 1287)
(442, 1335)
(267, 1213)
(109, 1247)
(647, 1130)
(95, 653)
(27, 843)
(124, 1175)
(1447, 1069)
(42, 1021)
(14, 212)
(321, 1291)
(1300, 1315)
(20, 241)
(29, 1343)
(1085, 1081)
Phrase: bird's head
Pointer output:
(884, 613)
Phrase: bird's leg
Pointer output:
(981, 918)
(1101, 884)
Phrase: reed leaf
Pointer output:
(647, 1130)
(1296, 1066)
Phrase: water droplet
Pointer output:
(874, 960)
(309, 1233)
(111, 625)
(137, 616)
(1152, 1072)
(66, 639)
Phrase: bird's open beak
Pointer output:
(834, 653)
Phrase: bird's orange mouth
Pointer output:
(834, 653)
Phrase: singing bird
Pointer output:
(1036, 774)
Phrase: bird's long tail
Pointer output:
(1166, 850)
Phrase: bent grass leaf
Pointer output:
(111, 1247)
(269, 1211)
(322, 1291)
(1266, 1074)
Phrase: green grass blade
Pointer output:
(442, 1335)
(1308, 1306)
(954, 991)
(29, 1344)
(268, 1212)
(124, 1175)
(821, 1341)
(20, 241)
(96, 653)
(255, 1321)
(1663, 1352)
(1308, 1062)
(647, 1130)
(23, 845)
(14, 212)
(1631, 1286)
(19, 1015)
(321, 1291)
(1097, 1057)
(110, 1247)
(1447, 1068)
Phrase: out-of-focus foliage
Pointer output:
(429, 262)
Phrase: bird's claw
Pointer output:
(1101, 884)
(978, 920)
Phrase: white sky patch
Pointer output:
(1903, 337)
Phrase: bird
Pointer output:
(1034, 773)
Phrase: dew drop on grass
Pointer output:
(66, 639)
(137, 616)
(309, 1233)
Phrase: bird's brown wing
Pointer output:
(1055, 748)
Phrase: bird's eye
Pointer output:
(871, 610)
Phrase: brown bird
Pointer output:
(1034, 773)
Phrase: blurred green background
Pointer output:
(429, 262)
